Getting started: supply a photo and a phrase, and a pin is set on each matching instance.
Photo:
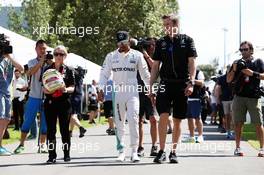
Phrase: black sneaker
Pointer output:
(51, 161)
(173, 158)
(154, 151)
(169, 131)
(67, 159)
(111, 132)
(82, 132)
(222, 130)
(108, 130)
(140, 151)
(161, 157)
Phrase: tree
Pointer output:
(90, 26)
(209, 70)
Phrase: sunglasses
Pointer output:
(244, 50)
(59, 54)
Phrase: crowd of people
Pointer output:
(151, 79)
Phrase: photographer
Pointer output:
(245, 74)
(35, 100)
(147, 48)
(7, 64)
(76, 100)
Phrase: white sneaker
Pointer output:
(134, 157)
(199, 139)
(121, 157)
(4, 152)
(42, 149)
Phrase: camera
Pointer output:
(141, 45)
(5, 47)
(48, 56)
(80, 72)
(241, 64)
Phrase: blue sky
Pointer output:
(204, 20)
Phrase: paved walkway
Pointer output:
(95, 154)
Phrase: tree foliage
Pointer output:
(102, 19)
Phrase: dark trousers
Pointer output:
(204, 114)
(60, 109)
(18, 112)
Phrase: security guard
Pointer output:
(177, 54)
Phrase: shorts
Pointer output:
(194, 109)
(172, 95)
(214, 107)
(145, 107)
(108, 109)
(5, 107)
(242, 105)
(34, 106)
(93, 106)
(227, 106)
(76, 105)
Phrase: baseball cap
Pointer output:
(122, 36)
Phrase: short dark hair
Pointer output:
(165, 17)
(41, 41)
(174, 18)
(250, 45)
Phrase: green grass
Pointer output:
(249, 134)
(85, 123)
(15, 135)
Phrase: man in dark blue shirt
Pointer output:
(176, 52)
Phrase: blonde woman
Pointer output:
(57, 105)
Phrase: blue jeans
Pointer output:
(34, 105)
(34, 129)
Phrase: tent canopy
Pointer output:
(24, 50)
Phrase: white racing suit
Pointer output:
(125, 94)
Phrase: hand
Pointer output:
(145, 54)
(188, 90)
(46, 91)
(42, 59)
(63, 89)
(152, 99)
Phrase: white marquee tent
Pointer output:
(24, 50)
